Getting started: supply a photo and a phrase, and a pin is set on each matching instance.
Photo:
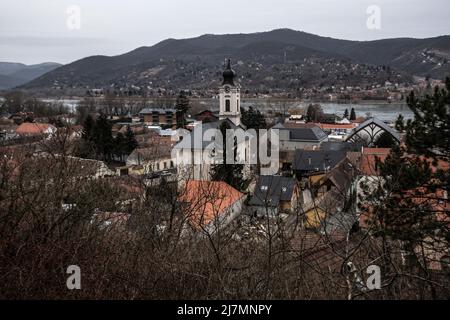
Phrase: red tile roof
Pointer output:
(33, 128)
(368, 160)
(207, 200)
(325, 126)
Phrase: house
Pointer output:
(273, 195)
(210, 205)
(36, 129)
(295, 136)
(158, 116)
(337, 131)
(369, 178)
(341, 146)
(315, 162)
(330, 194)
(155, 158)
(206, 116)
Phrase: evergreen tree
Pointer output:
(414, 206)
(229, 173)
(120, 145)
(314, 113)
(130, 141)
(88, 128)
(182, 107)
(102, 137)
(385, 140)
(253, 119)
(353, 114)
(346, 114)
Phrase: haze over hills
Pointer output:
(278, 59)
(15, 74)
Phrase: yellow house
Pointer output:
(314, 217)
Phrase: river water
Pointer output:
(384, 111)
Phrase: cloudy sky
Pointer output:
(34, 31)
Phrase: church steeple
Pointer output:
(230, 97)
(228, 74)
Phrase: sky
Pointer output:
(35, 31)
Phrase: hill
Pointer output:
(16, 74)
(280, 59)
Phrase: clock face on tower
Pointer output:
(227, 89)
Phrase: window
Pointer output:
(227, 105)
(237, 105)
(155, 117)
(165, 165)
(284, 189)
(264, 188)
(157, 166)
(171, 164)
(169, 117)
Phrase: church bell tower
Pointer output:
(230, 97)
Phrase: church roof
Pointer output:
(228, 74)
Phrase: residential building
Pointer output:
(159, 117)
(210, 205)
(273, 195)
(295, 136)
(36, 129)
(315, 162)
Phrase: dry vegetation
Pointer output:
(133, 241)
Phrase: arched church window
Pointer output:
(227, 105)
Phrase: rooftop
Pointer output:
(207, 200)
(270, 190)
(317, 160)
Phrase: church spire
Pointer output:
(228, 74)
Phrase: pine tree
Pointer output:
(253, 119)
(414, 206)
(120, 145)
(385, 140)
(182, 107)
(229, 173)
(314, 113)
(102, 137)
(88, 128)
(353, 114)
(130, 140)
(346, 114)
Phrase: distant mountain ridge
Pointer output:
(15, 74)
(279, 58)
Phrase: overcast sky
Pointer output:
(34, 31)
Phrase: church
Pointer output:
(197, 152)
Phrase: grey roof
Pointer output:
(270, 190)
(342, 175)
(158, 110)
(341, 146)
(307, 133)
(317, 160)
